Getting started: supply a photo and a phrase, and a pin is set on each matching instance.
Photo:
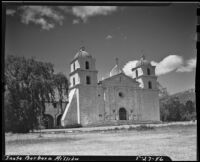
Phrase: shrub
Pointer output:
(144, 128)
(74, 126)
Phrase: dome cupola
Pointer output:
(143, 61)
(82, 53)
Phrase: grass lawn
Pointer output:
(177, 142)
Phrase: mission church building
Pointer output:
(116, 98)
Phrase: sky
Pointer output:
(165, 35)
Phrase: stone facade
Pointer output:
(116, 98)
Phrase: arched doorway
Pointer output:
(122, 114)
(48, 121)
(58, 123)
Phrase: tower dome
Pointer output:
(82, 53)
(143, 61)
(116, 69)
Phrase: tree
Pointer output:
(190, 107)
(190, 111)
(30, 81)
(172, 109)
(61, 85)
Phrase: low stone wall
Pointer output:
(121, 122)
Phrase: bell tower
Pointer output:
(82, 69)
(144, 73)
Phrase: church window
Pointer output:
(136, 73)
(88, 81)
(148, 71)
(150, 85)
(121, 94)
(87, 65)
(73, 81)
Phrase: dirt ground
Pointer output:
(177, 142)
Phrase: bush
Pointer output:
(144, 128)
(116, 129)
(131, 128)
(73, 126)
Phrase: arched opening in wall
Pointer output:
(74, 66)
(148, 71)
(136, 73)
(87, 65)
(48, 121)
(150, 85)
(58, 122)
(74, 82)
(122, 114)
(88, 81)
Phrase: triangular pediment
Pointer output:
(121, 80)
